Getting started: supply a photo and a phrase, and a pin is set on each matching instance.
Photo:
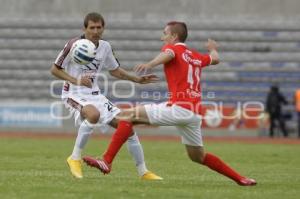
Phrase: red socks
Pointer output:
(120, 136)
(215, 163)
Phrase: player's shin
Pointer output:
(84, 131)
(215, 163)
(120, 136)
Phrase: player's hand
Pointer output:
(146, 79)
(142, 69)
(85, 81)
(211, 45)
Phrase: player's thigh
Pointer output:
(108, 111)
(164, 115)
(160, 114)
(136, 115)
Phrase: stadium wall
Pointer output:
(154, 9)
(268, 10)
(42, 117)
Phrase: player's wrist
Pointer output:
(74, 81)
(136, 79)
(150, 65)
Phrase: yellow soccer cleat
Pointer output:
(151, 176)
(75, 167)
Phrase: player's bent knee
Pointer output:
(90, 113)
(195, 153)
(196, 159)
(93, 117)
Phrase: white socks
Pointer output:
(84, 131)
(133, 145)
(135, 148)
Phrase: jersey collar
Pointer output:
(180, 44)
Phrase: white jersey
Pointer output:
(104, 59)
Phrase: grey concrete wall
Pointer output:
(154, 9)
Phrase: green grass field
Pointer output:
(33, 168)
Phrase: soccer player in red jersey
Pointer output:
(182, 67)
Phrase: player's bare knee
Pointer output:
(195, 153)
(93, 117)
(196, 159)
(90, 113)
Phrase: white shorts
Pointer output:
(106, 108)
(187, 122)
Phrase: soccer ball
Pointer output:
(83, 51)
(213, 118)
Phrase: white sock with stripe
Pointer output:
(136, 150)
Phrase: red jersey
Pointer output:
(183, 74)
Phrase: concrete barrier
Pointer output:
(155, 9)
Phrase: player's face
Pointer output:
(168, 37)
(94, 31)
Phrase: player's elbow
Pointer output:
(54, 70)
(215, 62)
(215, 59)
(115, 73)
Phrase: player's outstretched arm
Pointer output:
(123, 74)
(212, 46)
(161, 58)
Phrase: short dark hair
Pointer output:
(179, 28)
(93, 16)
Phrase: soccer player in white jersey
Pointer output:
(81, 94)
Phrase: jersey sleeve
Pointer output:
(110, 62)
(206, 60)
(168, 49)
(64, 57)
